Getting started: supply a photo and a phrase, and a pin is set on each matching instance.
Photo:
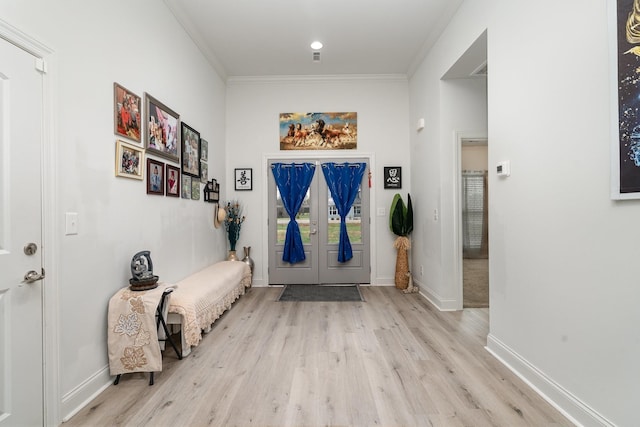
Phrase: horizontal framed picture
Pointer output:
(392, 177)
(190, 151)
(319, 131)
(129, 160)
(163, 129)
(126, 113)
(155, 177)
(243, 179)
(173, 181)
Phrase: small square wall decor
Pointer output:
(244, 179)
(393, 177)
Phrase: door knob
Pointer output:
(313, 231)
(33, 276)
(30, 249)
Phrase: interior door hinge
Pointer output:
(41, 65)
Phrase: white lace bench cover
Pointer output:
(203, 297)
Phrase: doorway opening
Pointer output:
(474, 202)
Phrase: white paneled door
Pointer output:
(21, 282)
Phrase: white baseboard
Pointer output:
(442, 304)
(569, 405)
(84, 393)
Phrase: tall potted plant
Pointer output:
(401, 223)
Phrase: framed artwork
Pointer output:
(126, 113)
(186, 187)
(190, 151)
(204, 150)
(244, 179)
(392, 177)
(318, 131)
(173, 181)
(155, 177)
(163, 134)
(624, 18)
(195, 189)
(129, 160)
(204, 172)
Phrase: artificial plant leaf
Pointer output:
(398, 219)
(409, 216)
(396, 197)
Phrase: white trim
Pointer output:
(436, 300)
(459, 138)
(50, 370)
(569, 405)
(315, 79)
(84, 393)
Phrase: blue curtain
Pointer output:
(343, 180)
(293, 181)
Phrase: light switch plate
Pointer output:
(71, 223)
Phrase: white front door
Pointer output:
(319, 224)
(21, 322)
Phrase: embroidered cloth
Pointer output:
(132, 336)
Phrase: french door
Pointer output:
(319, 224)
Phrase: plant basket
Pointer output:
(402, 244)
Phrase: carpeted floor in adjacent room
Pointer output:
(475, 282)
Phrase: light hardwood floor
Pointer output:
(393, 360)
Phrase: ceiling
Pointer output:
(273, 37)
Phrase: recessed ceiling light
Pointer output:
(316, 45)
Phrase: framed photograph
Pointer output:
(195, 189)
(204, 172)
(392, 177)
(126, 113)
(186, 187)
(163, 132)
(155, 177)
(244, 179)
(173, 181)
(129, 160)
(204, 150)
(190, 151)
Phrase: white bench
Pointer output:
(201, 298)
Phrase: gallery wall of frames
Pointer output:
(155, 146)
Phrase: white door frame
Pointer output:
(459, 138)
(302, 155)
(50, 318)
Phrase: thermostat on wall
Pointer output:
(504, 168)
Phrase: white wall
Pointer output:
(563, 290)
(139, 45)
(474, 157)
(253, 108)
